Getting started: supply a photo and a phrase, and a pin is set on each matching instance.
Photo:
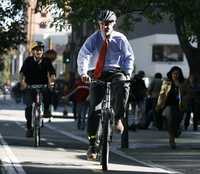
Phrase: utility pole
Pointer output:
(30, 17)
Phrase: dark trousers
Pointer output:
(81, 111)
(119, 98)
(29, 97)
(193, 107)
(173, 117)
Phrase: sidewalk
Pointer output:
(147, 146)
(1, 167)
(151, 147)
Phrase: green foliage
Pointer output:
(1, 64)
(12, 24)
(66, 57)
(186, 12)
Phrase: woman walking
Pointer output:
(170, 102)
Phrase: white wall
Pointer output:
(142, 48)
(59, 38)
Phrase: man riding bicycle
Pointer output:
(36, 69)
(105, 55)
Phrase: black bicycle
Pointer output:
(37, 121)
(106, 124)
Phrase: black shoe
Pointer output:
(132, 127)
(178, 133)
(47, 114)
(172, 143)
(29, 133)
(91, 153)
(186, 128)
(79, 124)
(82, 127)
(195, 128)
(65, 113)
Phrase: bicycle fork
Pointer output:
(108, 112)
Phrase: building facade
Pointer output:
(156, 48)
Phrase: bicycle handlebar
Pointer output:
(76, 89)
(37, 86)
(105, 82)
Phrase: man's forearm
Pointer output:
(51, 78)
(22, 81)
(21, 77)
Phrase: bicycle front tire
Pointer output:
(36, 127)
(106, 141)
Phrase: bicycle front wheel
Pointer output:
(106, 141)
(36, 127)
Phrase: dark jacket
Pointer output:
(37, 72)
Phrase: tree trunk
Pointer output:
(193, 57)
(192, 53)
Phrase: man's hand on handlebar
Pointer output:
(51, 85)
(85, 78)
(51, 79)
(128, 77)
(23, 85)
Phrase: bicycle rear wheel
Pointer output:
(36, 127)
(106, 141)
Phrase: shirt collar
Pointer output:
(103, 36)
(38, 61)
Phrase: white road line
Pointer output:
(170, 171)
(20, 125)
(10, 162)
(114, 150)
(43, 139)
(13, 166)
(61, 149)
(50, 143)
(67, 134)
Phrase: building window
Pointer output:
(43, 25)
(43, 14)
(167, 53)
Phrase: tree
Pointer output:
(12, 24)
(185, 15)
(1, 64)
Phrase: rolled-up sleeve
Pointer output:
(128, 60)
(84, 55)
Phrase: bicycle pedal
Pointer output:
(92, 157)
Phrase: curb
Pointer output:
(2, 169)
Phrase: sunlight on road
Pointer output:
(18, 115)
(55, 158)
(60, 160)
(135, 168)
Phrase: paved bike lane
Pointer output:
(63, 150)
(128, 154)
(147, 148)
(150, 148)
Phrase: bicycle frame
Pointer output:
(36, 112)
(107, 96)
(104, 134)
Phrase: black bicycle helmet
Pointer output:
(37, 44)
(106, 15)
(141, 73)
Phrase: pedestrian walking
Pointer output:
(170, 103)
(153, 93)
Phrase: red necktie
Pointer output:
(101, 60)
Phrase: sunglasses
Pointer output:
(106, 22)
(38, 49)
